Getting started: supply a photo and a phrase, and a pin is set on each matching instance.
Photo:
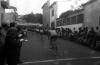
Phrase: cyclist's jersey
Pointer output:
(53, 32)
(41, 31)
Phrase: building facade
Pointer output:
(46, 14)
(50, 14)
(9, 17)
(92, 13)
(73, 20)
(76, 17)
(88, 16)
(3, 6)
(53, 15)
(6, 17)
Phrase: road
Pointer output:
(36, 52)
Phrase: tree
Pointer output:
(65, 14)
(38, 18)
(33, 18)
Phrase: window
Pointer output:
(80, 18)
(64, 21)
(73, 20)
(68, 21)
(53, 12)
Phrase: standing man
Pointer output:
(92, 36)
(10, 46)
(21, 38)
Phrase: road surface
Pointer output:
(36, 52)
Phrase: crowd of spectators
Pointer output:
(11, 38)
(84, 35)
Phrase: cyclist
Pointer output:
(53, 37)
(41, 32)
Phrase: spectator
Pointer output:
(10, 47)
(98, 34)
(20, 32)
(92, 36)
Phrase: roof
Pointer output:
(45, 3)
(89, 2)
(53, 4)
(74, 12)
(77, 11)
(50, 5)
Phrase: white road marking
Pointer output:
(67, 59)
(96, 57)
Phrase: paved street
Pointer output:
(36, 52)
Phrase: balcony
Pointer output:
(4, 4)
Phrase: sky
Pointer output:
(28, 6)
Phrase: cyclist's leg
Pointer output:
(41, 36)
(48, 34)
(55, 48)
(51, 42)
(53, 38)
(54, 45)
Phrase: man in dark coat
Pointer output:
(10, 47)
(92, 36)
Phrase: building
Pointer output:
(9, 17)
(53, 15)
(6, 17)
(88, 16)
(3, 5)
(92, 13)
(46, 13)
(50, 14)
(74, 19)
